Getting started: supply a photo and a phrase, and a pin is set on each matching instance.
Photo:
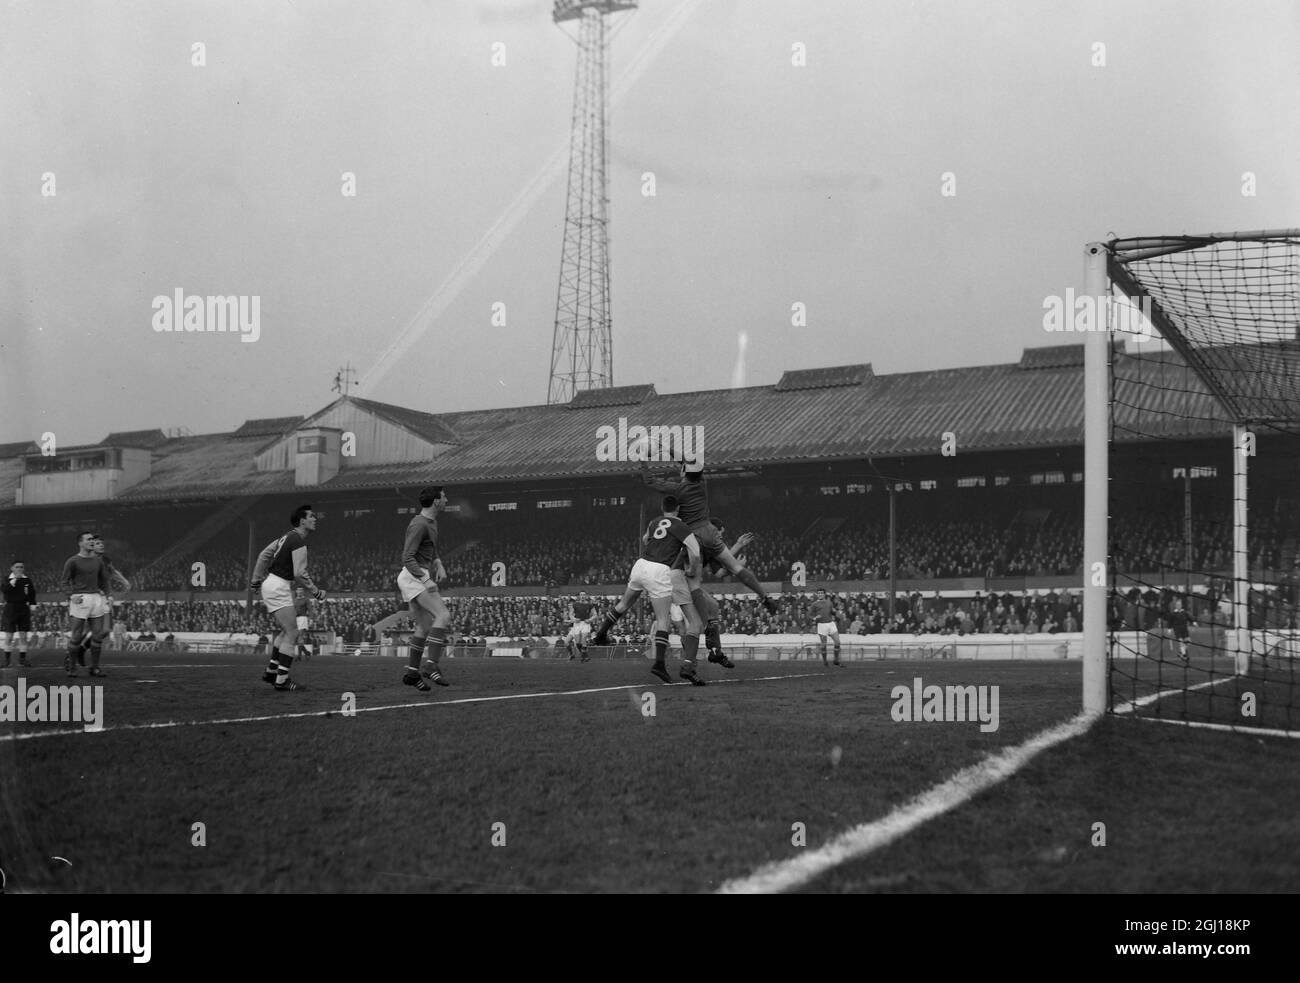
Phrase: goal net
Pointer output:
(1203, 500)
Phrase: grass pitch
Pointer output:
(540, 777)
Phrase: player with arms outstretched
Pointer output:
(580, 634)
(691, 489)
(653, 573)
(86, 579)
(418, 580)
(707, 606)
(281, 565)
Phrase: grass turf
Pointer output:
(586, 792)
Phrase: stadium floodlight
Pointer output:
(1191, 579)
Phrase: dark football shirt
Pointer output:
(665, 539)
(693, 497)
(582, 610)
(20, 592)
(85, 575)
(1178, 621)
(821, 611)
(420, 547)
(282, 561)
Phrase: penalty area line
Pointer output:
(167, 724)
(866, 838)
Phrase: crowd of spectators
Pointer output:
(554, 549)
(860, 613)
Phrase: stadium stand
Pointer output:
(808, 465)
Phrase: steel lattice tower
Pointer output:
(582, 353)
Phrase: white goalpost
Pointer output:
(1225, 367)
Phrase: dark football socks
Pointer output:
(416, 653)
(436, 642)
(282, 669)
(661, 648)
(608, 622)
(690, 646)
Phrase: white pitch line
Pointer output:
(1131, 705)
(1231, 728)
(865, 838)
(163, 725)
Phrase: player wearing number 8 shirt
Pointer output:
(663, 542)
(692, 491)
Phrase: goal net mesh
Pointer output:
(1205, 368)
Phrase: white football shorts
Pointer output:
(277, 593)
(651, 577)
(410, 587)
(91, 606)
(681, 589)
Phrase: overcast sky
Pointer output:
(775, 184)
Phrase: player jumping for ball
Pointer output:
(86, 579)
(707, 606)
(418, 582)
(580, 634)
(653, 573)
(281, 565)
(691, 489)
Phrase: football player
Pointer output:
(691, 489)
(580, 634)
(116, 582)
(708, 607)
(823, 615)
(653, 573)
(279, 566)
(86, 580)
(418, 581)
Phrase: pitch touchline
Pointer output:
(162, 725)
(866, 838)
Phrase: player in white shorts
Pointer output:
(663, 541)
(85, 578)
(823, 614)
(422, 571)
(282, 564)
(579, 636)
